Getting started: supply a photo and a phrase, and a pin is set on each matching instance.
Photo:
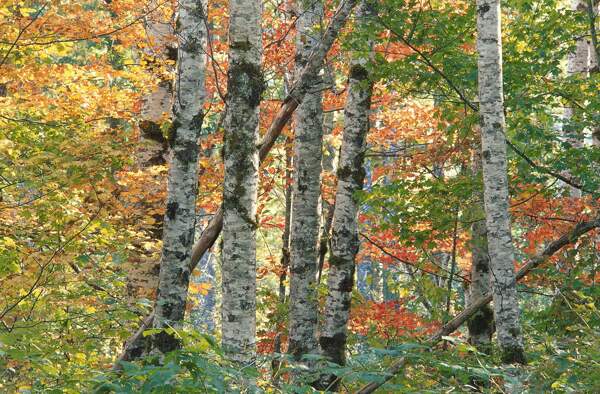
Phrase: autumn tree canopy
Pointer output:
(298, 196)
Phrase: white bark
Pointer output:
(578, 64)
(157, 104)
(244, 88)
(178, 233)
(296, 95)
(308, 141)
(142, 274)
(345, 242)
(495, 179)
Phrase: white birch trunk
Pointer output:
(142, 274)
(157, 104)
(344, 241)
(178, 233)
(495, 180)
(578, 64)
(244, 88)
(308, 141)
(289, 105)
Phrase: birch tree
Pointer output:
(142, 276)
(481, 325)
(244, 88)
(289, 105)
(308, 141)
(351, 174)
(495, 180)
(578, 64)
(179, 222)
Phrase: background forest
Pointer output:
(299, 196)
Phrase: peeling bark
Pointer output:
(495, 180)
(178, 233)
(244, 88)
(308, 141)
(344, 240)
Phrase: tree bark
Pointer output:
(495, 180)
(577, 65)
(178, 234)
(142, 273)
(244, 88)
(344, 240)
(289, 105)
(308, 141)
(481, 325)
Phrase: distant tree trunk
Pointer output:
(244, 88)
(308, 141)
(142, 273)
(285, 250)
(345, 242)
(593, 11)
(178, 233)
(377, 270)
(577, 65)
(481, 325)
(158, 102)
(495, 180)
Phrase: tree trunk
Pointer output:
(178, 234)
(577, 65)
(244, 87)
(308, 141)
(285, 253)
(345, 242)
(289, 105)
(481, 325)
(142, 273)
(495, 180)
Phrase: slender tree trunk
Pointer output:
(178, 234)
(308, 141)
(481, 325)
(142, 274)
(577, 65)
(495, 180)
(345, 242)
(244, 87)
(285, 250)
(158, 102)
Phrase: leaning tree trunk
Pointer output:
(244, 88)
(178, 233)
(495, 180)
(481, 325)
(308, 141)
(344, 240)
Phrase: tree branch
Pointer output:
(567, 239)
